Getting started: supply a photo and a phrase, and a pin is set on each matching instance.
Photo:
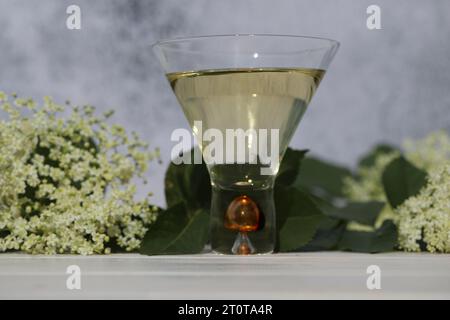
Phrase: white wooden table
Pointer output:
(322, 275)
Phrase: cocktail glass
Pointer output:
(244, 96)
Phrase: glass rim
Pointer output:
(174, 40)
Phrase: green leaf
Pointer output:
(189, 183)
(368, 160)
(321, 178)
(290, 167)
(402, 180)
(176, 233)
(327, 236)
(333, 226)
(298, 218)
(362, 212)
(382, 240)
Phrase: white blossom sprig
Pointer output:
(66, 184)
(424, 218)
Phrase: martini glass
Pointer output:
(244, 96)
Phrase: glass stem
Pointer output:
(227, 240)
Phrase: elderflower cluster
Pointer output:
(431, 154)
(428, 154)
(368, 186)
(66, 184)
(426, 217)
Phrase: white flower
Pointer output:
(426, 217)
(64, 187)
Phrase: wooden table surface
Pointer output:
(323, 275)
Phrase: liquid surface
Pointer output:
(262, 98)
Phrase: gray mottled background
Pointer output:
(384, 84)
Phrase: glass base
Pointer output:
(241, 237)
(231, 254)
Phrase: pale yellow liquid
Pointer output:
(262, 98)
